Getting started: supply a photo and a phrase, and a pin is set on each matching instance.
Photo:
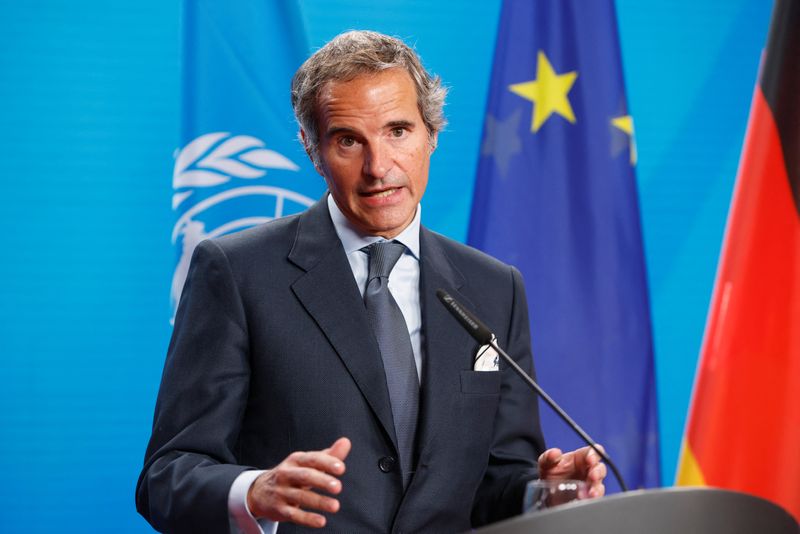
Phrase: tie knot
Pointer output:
(382, 257)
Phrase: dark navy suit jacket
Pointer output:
(272, 352)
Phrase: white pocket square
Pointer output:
(487, 359)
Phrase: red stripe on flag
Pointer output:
(744, 425)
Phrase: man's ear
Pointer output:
(434, 141)
(306, 146)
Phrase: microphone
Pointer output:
(481, 333)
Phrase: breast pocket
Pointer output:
(475, 412)
(480, 382)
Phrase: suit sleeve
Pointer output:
(190, 461)
(517, 440)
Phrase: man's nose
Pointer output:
(377, 160)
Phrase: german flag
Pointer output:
(743, 431)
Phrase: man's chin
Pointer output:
(388, 227)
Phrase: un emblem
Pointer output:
(217, 190)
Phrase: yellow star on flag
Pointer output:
(548, 92)
(625, 123)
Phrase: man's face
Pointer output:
(374, 150)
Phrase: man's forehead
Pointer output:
(368, 95)
(368, 78)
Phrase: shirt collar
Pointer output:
(353, 240)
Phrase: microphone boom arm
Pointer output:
(481, 333)
(561, 413)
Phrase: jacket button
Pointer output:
(386, 464)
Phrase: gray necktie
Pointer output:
(395, 344)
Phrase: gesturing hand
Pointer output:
(285, 492)
(581, 464)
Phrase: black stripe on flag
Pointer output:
(780, 84)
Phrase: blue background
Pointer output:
(89, 121)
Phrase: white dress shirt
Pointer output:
(404, 286)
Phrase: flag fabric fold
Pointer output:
(556, 196)
(743, 430)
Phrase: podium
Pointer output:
(662, 511)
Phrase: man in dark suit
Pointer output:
(280, 404)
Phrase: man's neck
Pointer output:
(354, 239)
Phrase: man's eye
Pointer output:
(347, 141)
(398, 132)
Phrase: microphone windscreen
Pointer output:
(471, 324)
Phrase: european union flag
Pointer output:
(556, 196)
(240, 163)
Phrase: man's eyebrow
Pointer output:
(400, 124)
(335, 130)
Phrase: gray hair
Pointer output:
(350, 55)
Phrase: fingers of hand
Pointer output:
(584, 460)
(558, 467)
(307, 499)
(597, 473)
(306, 477)
(592, 456)
(289, 513)
(283, 493)
(340, 448)
(293, 505)
(319, 460)
(597, 490)
(550, 458)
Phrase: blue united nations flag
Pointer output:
(556, 196)
(240, 163)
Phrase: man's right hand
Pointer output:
(285, 492)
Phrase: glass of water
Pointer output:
(542, 494)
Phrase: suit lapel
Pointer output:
(446, 351)
(329, 294)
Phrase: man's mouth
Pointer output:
(381, 194)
